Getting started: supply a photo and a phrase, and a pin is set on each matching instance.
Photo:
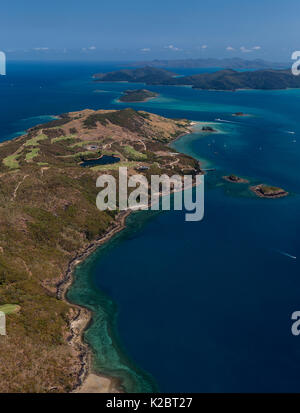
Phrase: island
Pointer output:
(235, 179)
(208, 129)
(137, 95)
(240, 114)
(148, 75)
(50, 223)
(226, 80)
(227, 63)
(266, 191)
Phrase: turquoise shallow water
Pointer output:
(184, 306)
(206, 306)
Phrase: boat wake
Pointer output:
(227, 121)
(224, 120)
(286, 254)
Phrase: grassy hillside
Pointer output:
(47, 214)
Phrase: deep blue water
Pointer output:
(183, 306)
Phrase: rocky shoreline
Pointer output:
(137, 95)
(235, 179)
(88, 381)
(265, 191)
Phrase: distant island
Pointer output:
(235, 179)
(229, 63)
(266, 191)
(137, 95)
(148, 75)
(229, 79)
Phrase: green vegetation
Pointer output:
(114, 166)
(11, 161)
(63, 138)
(9, 308)
(149, 75)
(235, 179)
(134, 155)
(127, 118)
(139, 95)
(267, 190)
(228, 79)
(85, 154)
(49, 214)
(55, 123)
(35, 140)
(84, 143)
(30, 155)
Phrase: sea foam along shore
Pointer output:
(88, 381)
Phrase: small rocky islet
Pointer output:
(137, 95)
(261, 190)
(208, 129)
(266, 191)
(235, 179)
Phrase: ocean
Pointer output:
(190, 306)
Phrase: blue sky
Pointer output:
(131, 29)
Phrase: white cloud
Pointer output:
(230, 49)
(146, 49)
(172, 47)
(86, 49)
(204, 46)
(245, 50)
(40, 48)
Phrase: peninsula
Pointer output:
(49, 223)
